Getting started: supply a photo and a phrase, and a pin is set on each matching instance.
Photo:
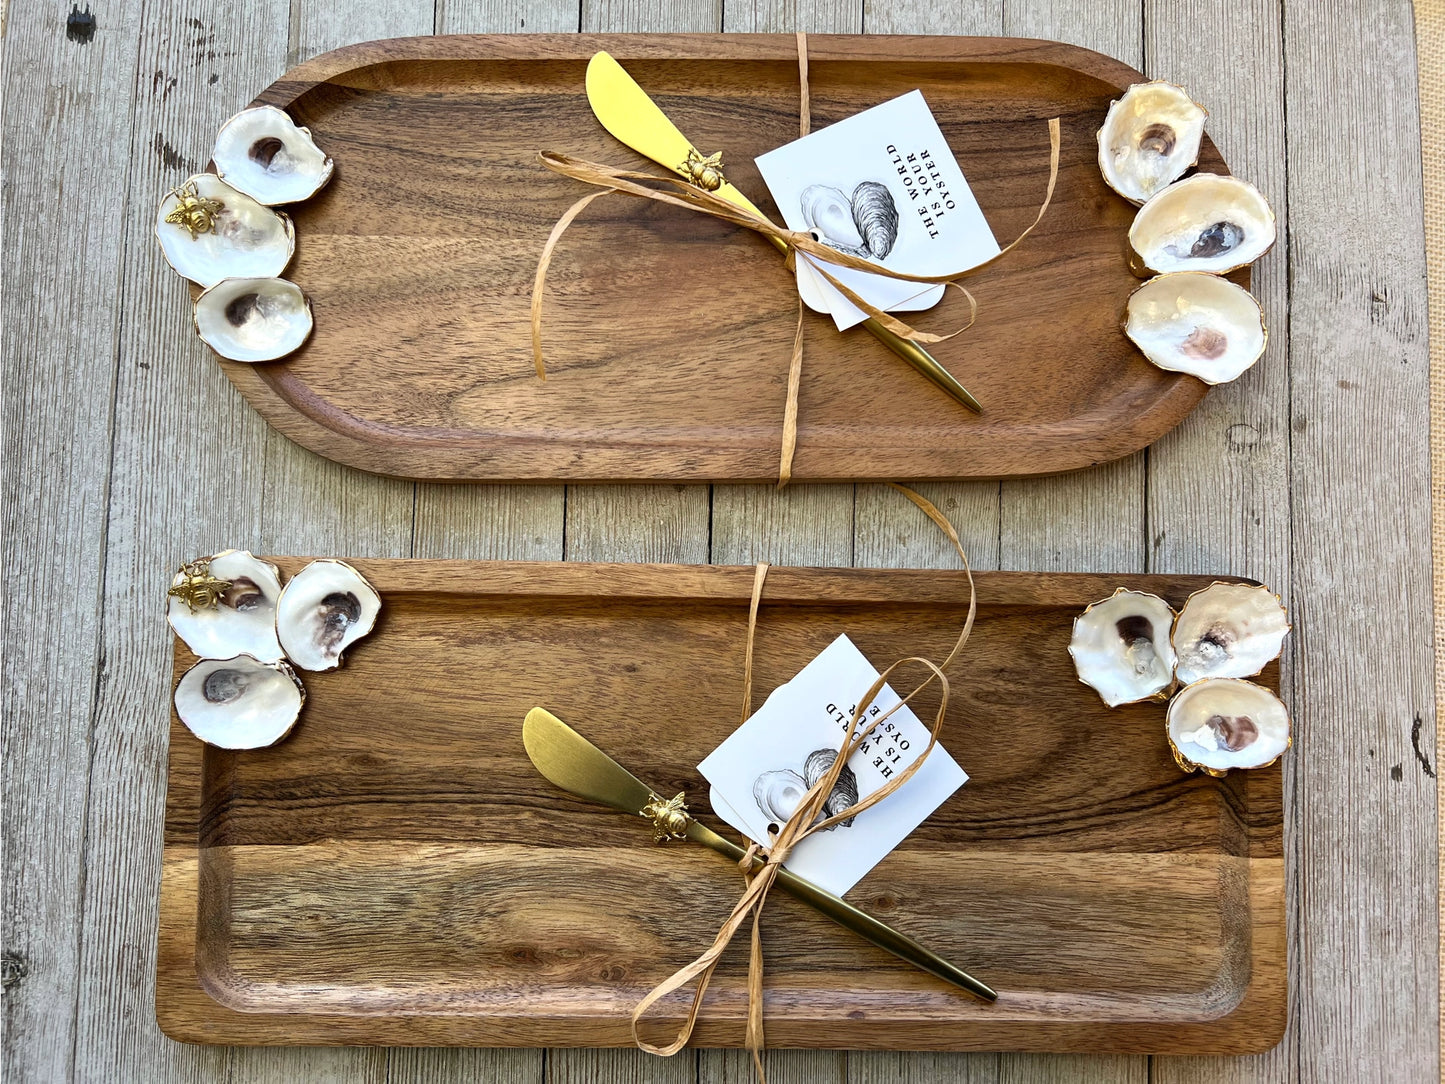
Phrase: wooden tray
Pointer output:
(668, 334)
(396, 872)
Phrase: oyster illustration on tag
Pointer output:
(779, 793)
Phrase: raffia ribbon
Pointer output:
(803, 822)
(680, 193)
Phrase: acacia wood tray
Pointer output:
(668, 334)
(396, 872)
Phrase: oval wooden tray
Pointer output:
(397, 872)
(668, 334)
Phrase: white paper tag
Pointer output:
(883, 185)
(765, 764)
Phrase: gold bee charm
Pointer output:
(194, 211)
(706, 173)
(669, 819)
(197, 588)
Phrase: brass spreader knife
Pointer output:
(576, 765)
(628, 113)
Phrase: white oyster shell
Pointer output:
(249, 240)
(1221, 723)
(1121, 648)
(243, 621)
(265, 154)
(1150, 137)
(1231, 630)
(239, 703)
(1195, 323)
(256, 319)
(1206, 222)
(325, 608)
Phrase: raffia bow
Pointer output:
(678, 192)
(804, 821)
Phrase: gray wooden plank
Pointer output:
(186, 479)
(1359, 520)
(67, 140)
(1233, 519)
(782, 1066)
(801, 525)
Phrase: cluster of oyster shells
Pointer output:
(221, 231)
(252, 633)
(1186, 234)
(1131, 647)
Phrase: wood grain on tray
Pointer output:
(668, 334)
(397, 872)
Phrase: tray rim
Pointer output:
(319, 426)
(188, 1012)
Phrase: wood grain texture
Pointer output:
(174, 408)
(58, 340)
(361, 885)
(1360, 463)
(414, 378)
(487, 522)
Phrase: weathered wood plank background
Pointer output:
(126, 451)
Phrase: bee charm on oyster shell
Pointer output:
(193, 211)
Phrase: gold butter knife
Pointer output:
(576, 765)
(626, 111)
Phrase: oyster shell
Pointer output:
(1229, 630)
(1221, 723)
(241, 619)
(1121, 647)
(229, 235)
(239, 703)
(829, 213)
(265, 154)
(325, 608)
(1149, 138)
(1191, 322)
(253, 319)
(779, 793)
(876, 217)
(845, 788)
(1206, 222)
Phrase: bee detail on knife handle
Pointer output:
(706, 173)
(669, 818)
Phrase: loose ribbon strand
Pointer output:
(805, 820)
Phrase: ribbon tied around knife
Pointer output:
(691, 194)
(805, 820)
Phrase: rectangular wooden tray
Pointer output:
(396, 872)
(668, 334)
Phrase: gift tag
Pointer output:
(760, 773)
(883, 185)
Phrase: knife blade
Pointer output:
(626, 110)
(573, 763)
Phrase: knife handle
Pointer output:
(909, 351)
(845, 914)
